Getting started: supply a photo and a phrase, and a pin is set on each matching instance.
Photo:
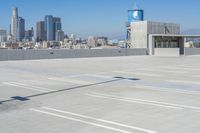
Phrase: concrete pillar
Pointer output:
(181, 45)
(151, 43)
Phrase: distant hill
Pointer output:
(191, 32)
(119, 36)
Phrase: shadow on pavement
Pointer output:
(26, 98)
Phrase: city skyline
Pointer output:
(105, 17)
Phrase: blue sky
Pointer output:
(101, 17)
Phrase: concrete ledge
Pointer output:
(167, 52)
(192, 51)
(6, 55)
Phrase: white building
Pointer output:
(72, 37)
(91, 42)
(160, 38)
(141, 30)
(60, 36)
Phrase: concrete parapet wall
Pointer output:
(192, 51)
(167, 52)
(6, 55)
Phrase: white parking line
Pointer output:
(181, 68)
(184, 66)
(100, 120)
(70, 81)
(28, 88)
(80, 75)
(138, 101)
(25, 87)
(164, 89)
(81, 121)
(98, 76)
(99, 73)
(155, 103)
(33, 81)
(163, 71)
(37, 87)
(187, 66)
(138, 73)
(184, 81)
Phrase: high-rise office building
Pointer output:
(17, 27)
(40, 31)
(56, 25)
(20, 29)
(49, 28)
(59, 35)
(29, 34)
(14, 23)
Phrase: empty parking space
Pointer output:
(140, 94)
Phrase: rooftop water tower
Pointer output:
(134, 15)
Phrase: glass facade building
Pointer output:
(52, 25)
(49, 28)
(57, 26)
(40, 31)
(14, 18)
(20, 29)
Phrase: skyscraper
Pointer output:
(40, 31)
(29, 34)
(49, 28)
(17, 26)
(14, 23)
(20, 29)
(56, 25)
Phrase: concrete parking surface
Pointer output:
(136, 94)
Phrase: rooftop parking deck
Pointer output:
(136, 94)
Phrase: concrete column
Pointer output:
(181, 45)
(151, 42)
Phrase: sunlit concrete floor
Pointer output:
(136, 94)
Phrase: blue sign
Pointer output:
(135, 15)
